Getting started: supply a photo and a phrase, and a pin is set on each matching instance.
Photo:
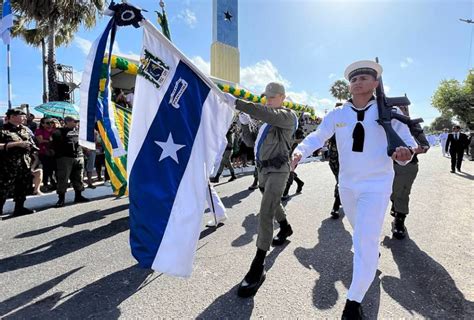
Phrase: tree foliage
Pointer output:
(455, 99)
(441, 123)
(340, 90)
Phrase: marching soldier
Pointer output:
(16, 178)
(272, 151)
(403, 181)
(365, 173)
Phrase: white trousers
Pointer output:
(443, 146)
(365, 212)
(214, 202)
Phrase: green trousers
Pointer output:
(272, 185)
(70, 168)
(404, 178)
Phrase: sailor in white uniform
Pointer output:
(443, 137)
(366, 172)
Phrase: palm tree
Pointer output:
(56, 20)
(340, 90)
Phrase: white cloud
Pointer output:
(257, 76)
(189, 17)
(406, 62)
(202, 65)
(83, 44)
(332, 75)
(386, 89)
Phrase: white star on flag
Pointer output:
(169, 148)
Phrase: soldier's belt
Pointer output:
(276, 162)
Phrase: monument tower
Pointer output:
(225, 56)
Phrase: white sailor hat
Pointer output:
(363, 67)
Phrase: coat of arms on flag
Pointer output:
(153, 69)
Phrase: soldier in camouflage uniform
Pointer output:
(16, 179)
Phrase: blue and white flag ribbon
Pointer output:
(7, 22)
(95, 107)
(180, 120)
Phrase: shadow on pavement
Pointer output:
(424, 286)
(98, 300)
(231, 306)
(236, 198)
(29, 295)
(250, 225)
(63, 246)
(332, 258)
(91, 216)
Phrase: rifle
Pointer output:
(387, 112)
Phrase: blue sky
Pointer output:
(305, 44)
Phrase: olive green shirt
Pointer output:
(280, 136)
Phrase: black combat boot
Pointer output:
(335, 208)
(254, 185)
(79, 198)
(285, 232)
(352, 311)
(398, 226)
(214, 179)
(300, 184)
(255, 277)
(20, 210)
(232, 178)
(61, 200)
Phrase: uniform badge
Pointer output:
(153, 69)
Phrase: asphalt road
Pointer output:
(75, 262)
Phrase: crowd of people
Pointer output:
(44, 157)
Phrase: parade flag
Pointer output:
(117, 166)
(7, 22)
(163, 21)
(94, 106)
(180, 119)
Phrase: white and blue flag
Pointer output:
(180, 119)
(7, 22)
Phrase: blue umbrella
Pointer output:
(59, 109)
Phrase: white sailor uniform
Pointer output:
(365, 180)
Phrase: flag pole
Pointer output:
(8, 78)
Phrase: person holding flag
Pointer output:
(272, 151)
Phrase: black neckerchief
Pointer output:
(358, 135)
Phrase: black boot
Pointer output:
(61, 200)
(285, 232)
(79, 198)
(214, 179)
(335, 208)
(398, 226)
(20, 210)
(232, 178)
(352, 311)
(300, 184)
(255, 277)
(254, 185)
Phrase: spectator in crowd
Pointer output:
(46, 154)
(90, 164)
(225, 162)
(129, 98)
(37, 173)
(70, 161)
(15, 169)
(30, 123)
(100, 161)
